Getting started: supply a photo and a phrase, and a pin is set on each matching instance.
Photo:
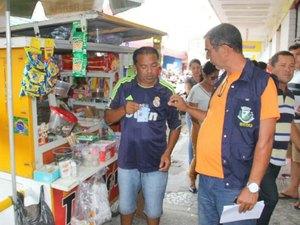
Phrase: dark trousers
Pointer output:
(268, 193)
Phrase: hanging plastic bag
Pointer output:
(91, 204)
(36, 214)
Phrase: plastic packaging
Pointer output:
(62, 88)
(61, 33)
(61, 122)
(74, 169)
(79, 42)
(62, 154)
(77, 152)
(39, 75)
(38, 214)
(90, 156)
(65, 168)
(91, 203)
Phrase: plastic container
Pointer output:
(47, 173)
(62, 88)
(90, 156)
(74, 169)
(77, 152)
(65, 168)
(91, 160)
(88, 122)
(106, 149)
(61, 122)
(62, 154)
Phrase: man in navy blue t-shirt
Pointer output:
(140, 103)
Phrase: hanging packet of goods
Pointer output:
(79, 46)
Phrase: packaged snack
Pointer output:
(39, 75)
(79, 43)
(35, 58)
(35, 76)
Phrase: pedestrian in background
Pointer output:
(291, 192)
(262, 65)
(282, 65)
(140, 103)
(199, 97)
(196, 72)
(236, 136)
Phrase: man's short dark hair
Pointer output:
(144, 51)
(294, 46)
(225, 34)
(274, 58)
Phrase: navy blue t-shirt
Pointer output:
(144, 139)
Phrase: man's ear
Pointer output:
(270, 68)
(159, 69)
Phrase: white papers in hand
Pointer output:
(231, 213)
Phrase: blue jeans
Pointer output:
(190, 145)
(152, 184)
(212, 197)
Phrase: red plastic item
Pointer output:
(64, 114)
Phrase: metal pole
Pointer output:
(10, 108)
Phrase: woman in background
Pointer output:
(199, 97)
(196, 72)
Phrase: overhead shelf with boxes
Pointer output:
(107, 34)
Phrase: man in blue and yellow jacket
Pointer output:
(235, 139)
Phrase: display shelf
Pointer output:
(94, 74)
(97, 105)
(67, 184)
(96, 47)
(53, 144)
(40, 149)
(18, 42)
(68, 73)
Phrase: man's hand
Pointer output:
(246, 200)
(298, 110)
(178, 102)
(165, 162)
(131, 107)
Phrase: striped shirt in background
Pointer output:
(294, 86)
(286, 103)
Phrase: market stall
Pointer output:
(37, 140)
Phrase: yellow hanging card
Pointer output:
(35, 43)
(49, 48)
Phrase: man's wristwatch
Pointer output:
(253, 187)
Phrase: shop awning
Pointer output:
(24, 8)
(96, 22)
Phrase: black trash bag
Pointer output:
(36, 214)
